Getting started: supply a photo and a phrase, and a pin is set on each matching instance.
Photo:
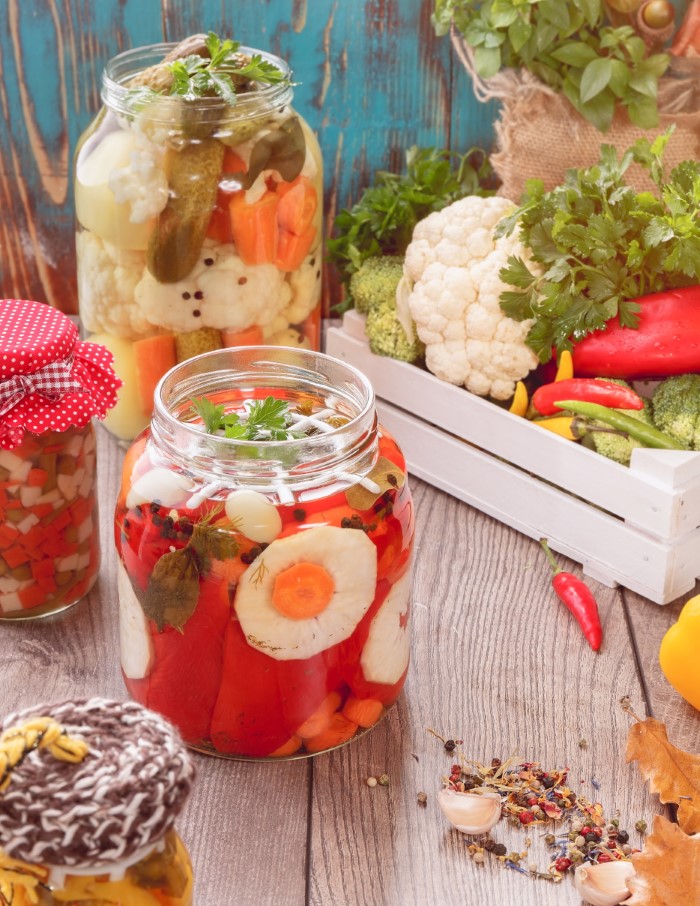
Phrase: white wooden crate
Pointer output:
(637, 526)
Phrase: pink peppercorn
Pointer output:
(526, 817)
(604, 857)
(563, 864)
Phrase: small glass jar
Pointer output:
(264, 584)
(50, 387)
(199, 223)
(88, 800)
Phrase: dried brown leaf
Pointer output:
(674, 775)
(668, 870)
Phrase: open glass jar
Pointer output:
(89, 793)
(199, 221)
(264, 577)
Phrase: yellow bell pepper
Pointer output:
(678, 654)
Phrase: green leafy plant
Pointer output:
(568, 46)
(381, 222)
(267, 419)
(602, 245)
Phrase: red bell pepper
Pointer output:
(666, 342)
(586, 390)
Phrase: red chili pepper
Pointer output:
(585, 390)
(578, 598)
(666, 341)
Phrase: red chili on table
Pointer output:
(585, 390)
(578, 598)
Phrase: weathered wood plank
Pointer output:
(236, 808)
(498, 661)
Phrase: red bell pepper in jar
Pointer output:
(578, 598)
(586, 390)
(666, 341)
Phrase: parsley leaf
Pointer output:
(601, 245)
(267, 419)
(211, 414)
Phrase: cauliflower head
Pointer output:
(107, 277)
(305, 284)
(221, 291)
(452, 268)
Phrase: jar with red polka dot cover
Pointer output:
(199, 213)
(264, 530)
(51, 386)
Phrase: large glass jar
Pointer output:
(264, 583)
(199, 222)
(89, 795)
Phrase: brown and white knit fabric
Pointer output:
(124, 795)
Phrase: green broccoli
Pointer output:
(375, 282)
(676, 403)
(617, 446)
(387, 337)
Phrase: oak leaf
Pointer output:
(668, 870)
(674, 775)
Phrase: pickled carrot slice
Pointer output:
(292, 745)
(254, 227)
(153, 356)
(363, 711)
(338, 731)
(251, 336)
(303, 591)
(321, 718)
(292, 248)
(298, 205)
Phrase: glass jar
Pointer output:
(59, 843)
(51, 385)
(199, 223)
(264, 583)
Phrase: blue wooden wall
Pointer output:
(373, 80)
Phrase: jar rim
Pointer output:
(128, 63)
(341, 448)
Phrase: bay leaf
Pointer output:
(173, 589)
(384, 474)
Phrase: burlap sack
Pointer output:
(540, 135)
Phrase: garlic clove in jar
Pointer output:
(603, 883)
(470, 813)
(161, 486)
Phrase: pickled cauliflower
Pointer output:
(221, 291)
(107, 277)
(452, 289)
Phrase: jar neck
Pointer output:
(249, 104)
(333, 453)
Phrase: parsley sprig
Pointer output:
(602, 245)
(267, 419)
(218, 75)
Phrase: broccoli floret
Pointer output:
(676, 404)
(616, 446)
(376, 281)
(387, 337)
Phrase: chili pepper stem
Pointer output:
(556, 569)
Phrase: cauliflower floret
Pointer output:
(452, 270)
(221, 291)
(305, 284)
(142, 185)
(107, 278)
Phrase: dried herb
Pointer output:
(283, 150)
(387, 477)
(212, 543)
(668, 869)
(173, 589)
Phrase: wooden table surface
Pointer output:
(496, 661)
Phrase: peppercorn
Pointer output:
(526, 817)
(641, 826)
(604, 857)
(450, 745)
(384, 780)
(371, 781)
(489, 844)
(563, 864)
(299, 514)
(622, 836)
(550, 839)
(499, 850)
(591, 838)
(496, 762)
(422, 798)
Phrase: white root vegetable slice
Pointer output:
(387, 650)
(135, 639)
(347, 555)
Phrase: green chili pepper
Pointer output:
(645, 434)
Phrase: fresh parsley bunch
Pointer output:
(602, 245)
(267, 419)
(382, 220)
(568, 46)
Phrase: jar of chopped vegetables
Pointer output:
(51, 385)
(264, 530)
(198, 193)
(89, 794)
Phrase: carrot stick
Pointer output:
(292, 248)
(251, 336)
(321, 717)
(363, 711)
(338, 731)
(153, 356)
(254, 227)
(297, 207)
(292, 745)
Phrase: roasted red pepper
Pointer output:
(585, 390)
(667, 340)
(578, 598)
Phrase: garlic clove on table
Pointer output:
(470, 813)
(603, 883)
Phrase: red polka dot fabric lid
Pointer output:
(49, 379)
